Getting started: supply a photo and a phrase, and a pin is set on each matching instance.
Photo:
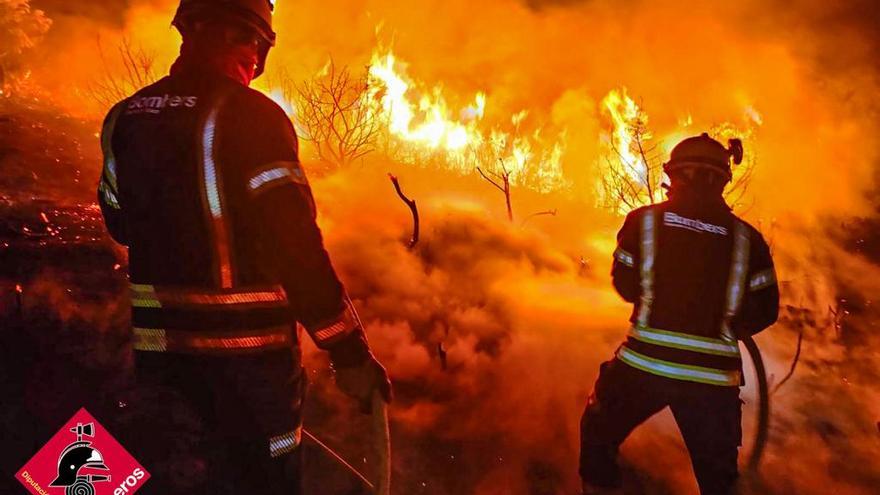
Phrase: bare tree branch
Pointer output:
(334, 113)
(794, 363)
(412, 207)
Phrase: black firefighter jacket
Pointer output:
(699, 278)
(203, 183)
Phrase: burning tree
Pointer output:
(138, 69)
(20, 29)
(633, 175)
(335, 113)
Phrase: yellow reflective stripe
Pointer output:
(624, 257)
(286, 443)
(736, 283)
(150, 339)
(147, 296)
(144, 296)
(699, 374)
(161, 340)
(684, 341)
(762, 279)
(648, 246)
(213, 197)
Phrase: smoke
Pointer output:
(494, 331)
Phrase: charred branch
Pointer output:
(794, 363)
(411, 203)
(501, 181)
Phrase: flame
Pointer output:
(425, 128)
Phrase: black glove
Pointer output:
(358, 373)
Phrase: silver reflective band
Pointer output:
(736, 283)
(286, 443)
(676, 340)
(762, 280)
(109, 197)
(212, 190)
(676, 371)
(624, 257)
(268, 176)
(647, 269)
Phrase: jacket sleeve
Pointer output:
(108, 189)
(760, 305)
(625, 272)
(281, 205)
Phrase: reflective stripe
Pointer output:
(344, 324)
(676, 340)
(214, 198)
(150, 339)
(277, 173)
(109, 173)
(648, 245)
(110, 198)
(624, 257)
(677, 371)
(161, 340)
(268, 177)
(286, 443)
(736, 283)
(762, 280)
(147, 296)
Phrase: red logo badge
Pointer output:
(82, 459)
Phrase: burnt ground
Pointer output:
(64, 339)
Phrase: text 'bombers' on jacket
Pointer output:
(699, 277)
(203, 183)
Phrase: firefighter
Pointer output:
(202, 182)
(699, 278)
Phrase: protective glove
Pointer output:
(358, 373)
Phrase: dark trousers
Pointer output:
(202, 424)
(709, 418)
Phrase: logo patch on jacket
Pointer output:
(671, 219)
(82, 458)
(155, 104)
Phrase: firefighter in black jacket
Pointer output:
(699, 278)
(203, 183)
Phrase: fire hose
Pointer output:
(381, 449)
(762, 431)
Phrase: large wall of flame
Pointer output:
(524, 323)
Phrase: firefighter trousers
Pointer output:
(709, 418)
(218, 424)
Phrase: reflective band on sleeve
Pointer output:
(648, 246)
(268, 177)
(688, 342)
(286, 443)
(699, 374)
(624, 257)
(344, 324)
(109, 196)
(762, 279)
(147, 296)
(736, 282)
(276, 174)
(186, 341)
(213, 195)
(109, 173)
